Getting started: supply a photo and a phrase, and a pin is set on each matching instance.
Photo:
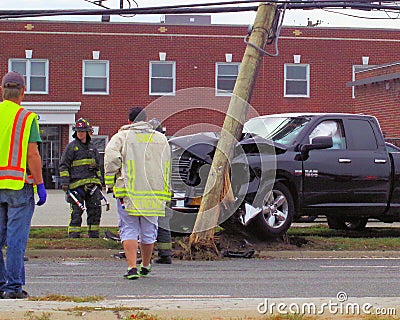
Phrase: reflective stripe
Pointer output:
(109, 180)
(93, 227)
(82, 162)
(15, 154)
(146, 213)
(123, 192)
(146, 206)
(82, 182)
(29, 179)
(64, 174)
(167, 173)
(74, 229)
(131, 175)
(164, 245)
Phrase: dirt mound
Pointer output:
(228, 245)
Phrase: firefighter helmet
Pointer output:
(157, 125)
(82, 125)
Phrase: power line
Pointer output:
(219, 7)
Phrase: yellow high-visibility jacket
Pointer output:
(137, 166)
(15, 126)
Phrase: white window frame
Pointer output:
(107, 64)
(172, 78)
(220, 92)
(359, 67)
(28, 74)
(307, 94)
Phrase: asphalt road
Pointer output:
(230, 289)
(235, 278)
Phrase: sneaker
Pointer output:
(132, 274)
(163, 260)
(16, 295)
(145, 271)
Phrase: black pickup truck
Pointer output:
(291, 165)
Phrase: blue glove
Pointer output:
(41, 190)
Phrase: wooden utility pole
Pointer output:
(216, 186)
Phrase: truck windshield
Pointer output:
(279, 129)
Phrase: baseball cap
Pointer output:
(13, 79)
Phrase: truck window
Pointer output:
(363, 135)
(330, 128)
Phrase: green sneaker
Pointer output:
(132, 274)
(144, 271)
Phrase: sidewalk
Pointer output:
(204, 308)
(55, 212)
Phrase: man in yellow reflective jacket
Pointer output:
(137, 167)
(20, 167)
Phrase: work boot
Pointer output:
(74, 235)
(163, 260)
(16, 295)
(93, 234)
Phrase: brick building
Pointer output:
(377, 91)
(181, 73)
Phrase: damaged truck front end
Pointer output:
(257, 209)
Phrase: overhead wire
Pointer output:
(202, 8)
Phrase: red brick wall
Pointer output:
(381, 99)
(331, 53)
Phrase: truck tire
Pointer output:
(277, 214)
(346, 224)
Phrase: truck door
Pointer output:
(353, 174)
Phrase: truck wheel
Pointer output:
(276, 216)
(346, 224)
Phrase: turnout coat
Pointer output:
(137, 166)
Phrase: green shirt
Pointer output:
(34, 135)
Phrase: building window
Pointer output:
(358, 68)
(35, 72)
(297, 80)
(95, 77)
(226, 75)
(162, 77)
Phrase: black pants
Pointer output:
(164, 241)
(92, 202)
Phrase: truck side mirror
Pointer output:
(321, 142)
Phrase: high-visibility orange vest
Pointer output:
(15, 124)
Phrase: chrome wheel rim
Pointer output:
(275, 209)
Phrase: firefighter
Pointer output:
(137, 169)
(164, 241)
(80, 175)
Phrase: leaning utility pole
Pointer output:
(216, 186)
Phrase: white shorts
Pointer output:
(143, 229)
